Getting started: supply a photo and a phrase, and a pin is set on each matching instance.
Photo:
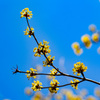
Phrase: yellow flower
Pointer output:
(75, 85)
(86, 40)
(95, 37)
(79, 68)
(78, 51)
(53, 89)
(31, 73)
(26, 13)
(53, 73)
(48, 61)
(76, 47)
(92, 28)
(29, 31)
(42, 48)
(36, 86)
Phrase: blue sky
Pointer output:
(59, 22)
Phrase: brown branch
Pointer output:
(85, 79)
(63, 85)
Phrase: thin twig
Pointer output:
(63, 85)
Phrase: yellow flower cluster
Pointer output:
(53, 72)
(36, 86)
(42, 48)
(54, 83)
(29, 31)
(95, 37)
(76, 48)
(26, 13)
(86, 40)
(75, 85)
(79, 68)
(48, 61)
(31, 73)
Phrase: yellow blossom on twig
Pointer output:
(79, 68)
(36, 86)
(42, 48)
(53, 73)
(31, 73)
(48, 61)
(75, 85)
(29, 31)
(26, 13)
(54, 83)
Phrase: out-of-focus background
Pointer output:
(60, 23)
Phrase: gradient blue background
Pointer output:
(59, 22)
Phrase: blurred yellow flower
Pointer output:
(28, 91)
(78, 51)
(58, 96)
(37, 96)
(39, 67)
(79, 68)
(86, 40)
(76, 47)
(92, 28)
(83, 93)
(97, 92)
(49, 77)
(36, 86)
(26, 13)
(95, 37)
